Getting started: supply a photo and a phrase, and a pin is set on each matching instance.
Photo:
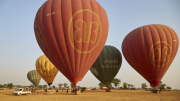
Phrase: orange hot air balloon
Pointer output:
(150, 50)
(72, 34)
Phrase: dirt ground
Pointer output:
(95, 95)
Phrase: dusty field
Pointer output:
(95, 95)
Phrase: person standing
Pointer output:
(81, 91)
(67, 92)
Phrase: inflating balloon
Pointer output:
(34, 77)
(72, 34)
(46, 69)
(107, 65)
(150, 50)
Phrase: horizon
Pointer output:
(19, 49)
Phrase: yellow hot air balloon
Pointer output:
(46, 69)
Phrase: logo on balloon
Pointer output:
(43, 68)
(85, 31)
(93, 69)
(110, 64)
(160, 53)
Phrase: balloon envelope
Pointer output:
(107, 65)
(34, 77)
(150, 50)
(46, 69)
(71, 33)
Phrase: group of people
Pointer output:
(74, 91)
(33, 91)
(152, 90)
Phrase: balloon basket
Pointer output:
(155, 91)
(76, 93)
(107, 90)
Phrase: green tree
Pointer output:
(45, 86)
(18, 86)
(54, 86)
(72, 86)
(124, 85)
(1, 86)
(144, 85)
(32, 86)
(68, 87)
(116, 82)
(65, 85)
(101, 85)
(5, 85)
(168, 87)
(121, 87)
(60, 85)
(10, 85)
(40, 86)
(132, 85)
(161, 86)
(129, 85)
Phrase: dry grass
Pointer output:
(95, 95)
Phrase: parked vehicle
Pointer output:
(93, 89)
(20, 91)
(104, 88)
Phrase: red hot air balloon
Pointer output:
(150, 50)
(72, 34)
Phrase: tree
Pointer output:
(129, 85)
(161, 86)
(18, 86)
(32, 86)
(144, 85)
(65, 85)
(54, 86)
(5, 85)
(168, 87)
(40, 86)
(60, 84)
(68, 87)
(10, 85)
(132, 85)
(1, 86)
(72, 86)
(124, 85)
(116, 82)
(45, 86)
(101, 85)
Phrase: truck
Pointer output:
(104, 88)
(20, 91)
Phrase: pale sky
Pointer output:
(19, 49)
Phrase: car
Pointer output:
(93, 89)
(20, 91)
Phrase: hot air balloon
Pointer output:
(34, 77)
(150, 50)
(107, 65)
(46, 69)
(72, 34)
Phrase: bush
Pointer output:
(83, 88)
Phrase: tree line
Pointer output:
(117, 82)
